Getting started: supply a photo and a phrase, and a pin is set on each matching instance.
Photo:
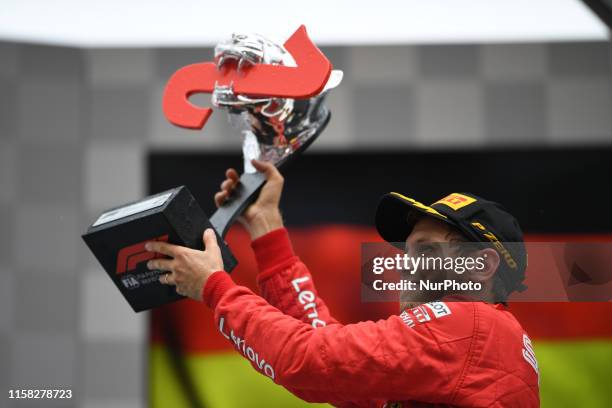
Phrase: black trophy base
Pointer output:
(118, 236)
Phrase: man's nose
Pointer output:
(409, 249)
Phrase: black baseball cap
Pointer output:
(478, 219)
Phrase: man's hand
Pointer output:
(263, 215)
(188, 269)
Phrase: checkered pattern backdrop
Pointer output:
(76, 126)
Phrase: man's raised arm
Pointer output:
(284, 281)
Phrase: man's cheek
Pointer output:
(407, 275)
(438, 274)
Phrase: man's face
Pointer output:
(430, 238)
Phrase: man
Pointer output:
(443, 353)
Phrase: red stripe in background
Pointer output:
(332, 253)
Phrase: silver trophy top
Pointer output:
(273, 128)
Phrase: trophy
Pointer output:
(275, 96)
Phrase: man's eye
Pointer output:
(426, 249)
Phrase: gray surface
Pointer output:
(515, 112)
(579, 110)
(105, 164)
(115, 67)
(50, 174)
(579, 59)
(514, 61)
(383, 64)
(7, 305)
(106, 365)
(49, 110)
(47, 237)
(169, 60)
(119, 112)
(8, 109)
(450, 113)
(50, 62)
(47, 360)
(46, 302)
(8, 172)
(7, 243)
(383, 114)
(10, 59)
(5, 344)
(449, 61)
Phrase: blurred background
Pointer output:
(510, 100)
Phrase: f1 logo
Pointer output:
(132, 255)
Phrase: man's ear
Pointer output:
(490, 262)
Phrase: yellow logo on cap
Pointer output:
(420, 205)
(498, 245)
(456, 201)
(479, 226)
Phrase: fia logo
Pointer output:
(130, 282)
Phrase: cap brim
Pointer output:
(396, 215)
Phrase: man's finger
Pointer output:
(161, 264)
(210, 239)
(267, 168)
(232, 174)
(162, 247)
(167, 279)
(220, 198)
(228, 185)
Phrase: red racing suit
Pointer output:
(438, 354)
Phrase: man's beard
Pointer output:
(411, 299)
(404, 305)
(409, 305)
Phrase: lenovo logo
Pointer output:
(132, 255)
